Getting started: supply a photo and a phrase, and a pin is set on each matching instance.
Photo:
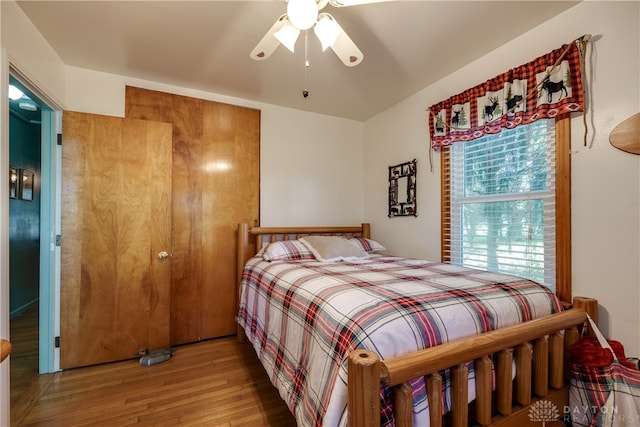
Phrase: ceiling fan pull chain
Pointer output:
(305, 91)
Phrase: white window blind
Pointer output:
(502, 202)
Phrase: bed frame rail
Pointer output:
(538, 348)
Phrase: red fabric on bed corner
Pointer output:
(587, 351)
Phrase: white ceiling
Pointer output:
(205, 45)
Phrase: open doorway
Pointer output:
(32, 233)
(25, 128)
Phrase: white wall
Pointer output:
(312, 168)
(605, 181)
(30, 53)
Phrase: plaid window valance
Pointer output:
(543, 88)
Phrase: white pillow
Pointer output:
(333, 248)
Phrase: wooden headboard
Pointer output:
(251, 239)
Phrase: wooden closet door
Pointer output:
(116, 219)
(231, 192)
(216, 180)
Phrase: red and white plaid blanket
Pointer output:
(304, 317)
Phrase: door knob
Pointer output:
(163, 255)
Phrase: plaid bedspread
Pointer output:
(304, 317)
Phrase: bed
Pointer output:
(366, 338)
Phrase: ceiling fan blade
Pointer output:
(344, 3)
(268, 44)
(346, 49)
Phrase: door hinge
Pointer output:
(56, 342)
(59, 141)
(58, 239)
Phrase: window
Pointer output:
(506, 203)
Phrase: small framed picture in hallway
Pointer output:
(26, 184)
(13, 182)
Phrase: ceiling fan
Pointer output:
(304, 14)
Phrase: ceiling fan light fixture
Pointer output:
(347, 50)
(286, 31)
(327, 30)
(302, 13)
(287, 35)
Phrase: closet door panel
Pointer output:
(116, 218)
(230, 196)
(186, 272)
(215, 187)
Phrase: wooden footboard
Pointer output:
(537, 347)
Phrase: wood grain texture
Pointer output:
(231, 194)
(524, 357)
(454, 354)
(460, 395)
(541, 366)
(484, 380)
(364, 375)
(590, 305)
(521, 416)
(212, 383)
(563, 209)
(504, 384)
(400, 369)
(116, 179)
(216, 176)
(403, 402)
(434, 398)
(24, 362)
(626, 135)
(556, 360)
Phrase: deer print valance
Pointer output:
(543, 88)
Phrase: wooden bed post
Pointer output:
(366, 230)
(363, 378)
(590, 305)
(241, 257)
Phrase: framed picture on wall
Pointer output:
(26, 184)
(13, 182)
(402, 189)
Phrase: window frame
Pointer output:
(562, 199)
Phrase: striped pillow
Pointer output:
(287, 250)
(368, 245)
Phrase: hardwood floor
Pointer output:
(213, 383)
(24, 355)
